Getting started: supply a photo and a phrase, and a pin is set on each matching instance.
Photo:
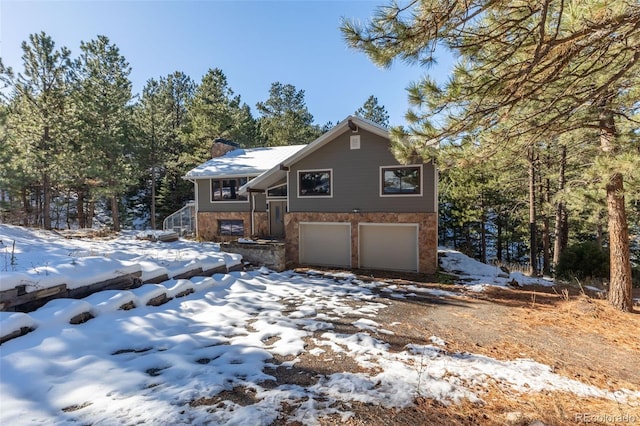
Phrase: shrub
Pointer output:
(583, 260)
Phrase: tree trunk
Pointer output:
(499, 239)
(561, 229)
(561, 233)
(68, 213)
(82, 220)
(27, 206)
(533, 267)
(546, 230)
(483, 240)
(153, 198)
(468, 244)
(91, 211)
(37, 217)
(620, 275)
(546, 246)
(115, 213)
(508, 242)
(620, 279)
(46, 188)
(483, 232)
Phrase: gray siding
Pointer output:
(356, 179)
(260, 202)
(205, 204)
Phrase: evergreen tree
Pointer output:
(285, 119)
(476, 212)
(246, 133)
(526, 71)
(372, 111)
(179, 90)
(103, 94)
(214, 112)
(36, 118)
(153, 124)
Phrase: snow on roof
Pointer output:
(244, 162)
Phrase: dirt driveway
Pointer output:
(577, 335)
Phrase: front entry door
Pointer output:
(276, 217)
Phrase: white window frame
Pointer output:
(279, 197)
(311, 197)
(409, 166)
(212, 201)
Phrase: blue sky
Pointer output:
(254, 43)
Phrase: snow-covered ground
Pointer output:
(148, 365)
(38, 259)
(477, 275)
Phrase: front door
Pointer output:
(276, 217)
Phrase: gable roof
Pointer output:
(243, 162)
(276, 174)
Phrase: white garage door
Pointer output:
(325, 244)
(389, 246)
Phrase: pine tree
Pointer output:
(103, 93)
(477, 213)
(153, 125)
(372, 111)
(214, 112)
(179, 90)
(526, 72)
(37, 118)
(285, 119)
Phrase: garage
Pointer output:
(388, 246)
(325, 244)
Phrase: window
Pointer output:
(227, 189)
(401, 180)
(314, 183)
(231, 227)
(278, 191)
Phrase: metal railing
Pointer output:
(183, 221)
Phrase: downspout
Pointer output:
(195, 193)
(436, 207)
(287, 209)
(288, 190)
(252, 208)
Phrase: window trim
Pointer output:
(211, 180)
(328, 170)
(409, 166)
(231, 234)
(277, 197)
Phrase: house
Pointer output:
(343, 200)
(222, 213)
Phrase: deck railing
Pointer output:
(183, 221)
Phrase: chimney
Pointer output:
(221, 146)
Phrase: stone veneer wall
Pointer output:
(261, 224)
(208, 225)
(427, 238)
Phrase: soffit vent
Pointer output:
(354, 141)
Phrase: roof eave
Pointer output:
(338, 129)
(263, 181)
